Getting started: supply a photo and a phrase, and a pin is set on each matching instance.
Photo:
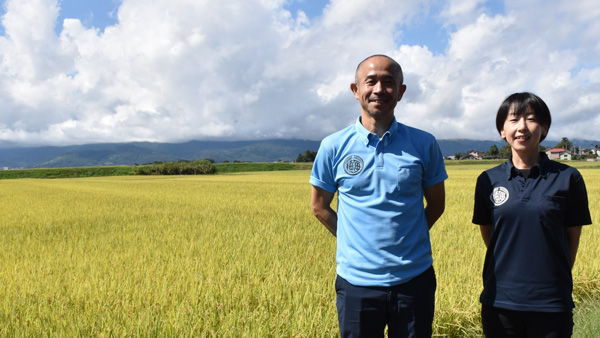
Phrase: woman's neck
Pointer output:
(525, 160)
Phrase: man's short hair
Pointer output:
(397, 70)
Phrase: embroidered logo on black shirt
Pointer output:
(499, 195)
(353, 165)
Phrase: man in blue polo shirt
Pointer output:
(381, 170)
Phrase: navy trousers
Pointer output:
(406, 309)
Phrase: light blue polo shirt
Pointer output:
(382, 234)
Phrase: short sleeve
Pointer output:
(579, 211)
(322, 175)
(436, 169)
(482, 214)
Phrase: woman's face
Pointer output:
(523, 132)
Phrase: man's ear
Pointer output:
(401, 92)
(354, 89)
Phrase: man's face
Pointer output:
(378, 87)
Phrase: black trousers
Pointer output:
(500, 323)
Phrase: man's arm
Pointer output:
(435, 196)
(573, 235)
(321, 208)
(486, 233)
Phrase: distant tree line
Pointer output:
(505, 151)
(200, 167)
(309, 156)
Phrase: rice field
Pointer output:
(236, 255)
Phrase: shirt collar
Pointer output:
(366, 135)
(541, 167)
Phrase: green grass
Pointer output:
(223, 168)
(77, 172)
(67, 172)
(587, 319)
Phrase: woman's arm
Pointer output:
(573, 235)
(486, 233)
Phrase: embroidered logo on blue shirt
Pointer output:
(499, 195)
(353, 165)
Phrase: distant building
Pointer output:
(565, 156)
(556, 153)
(475, 155)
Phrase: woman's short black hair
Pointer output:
(522, 103)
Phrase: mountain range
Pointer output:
(132, 153)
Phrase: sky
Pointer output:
(97, 71)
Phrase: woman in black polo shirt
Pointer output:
(530, 210)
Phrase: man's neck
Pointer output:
(377, 126)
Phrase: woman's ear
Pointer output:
(544, 132)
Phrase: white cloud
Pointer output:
(172, 71)
(462, 12)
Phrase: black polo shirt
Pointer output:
(527, 265)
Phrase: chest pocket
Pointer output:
(410, 179)
(552, 211)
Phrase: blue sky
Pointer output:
(87, 71)
(424, 30)
(92, 13)
(102, 13)
(312, 8)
